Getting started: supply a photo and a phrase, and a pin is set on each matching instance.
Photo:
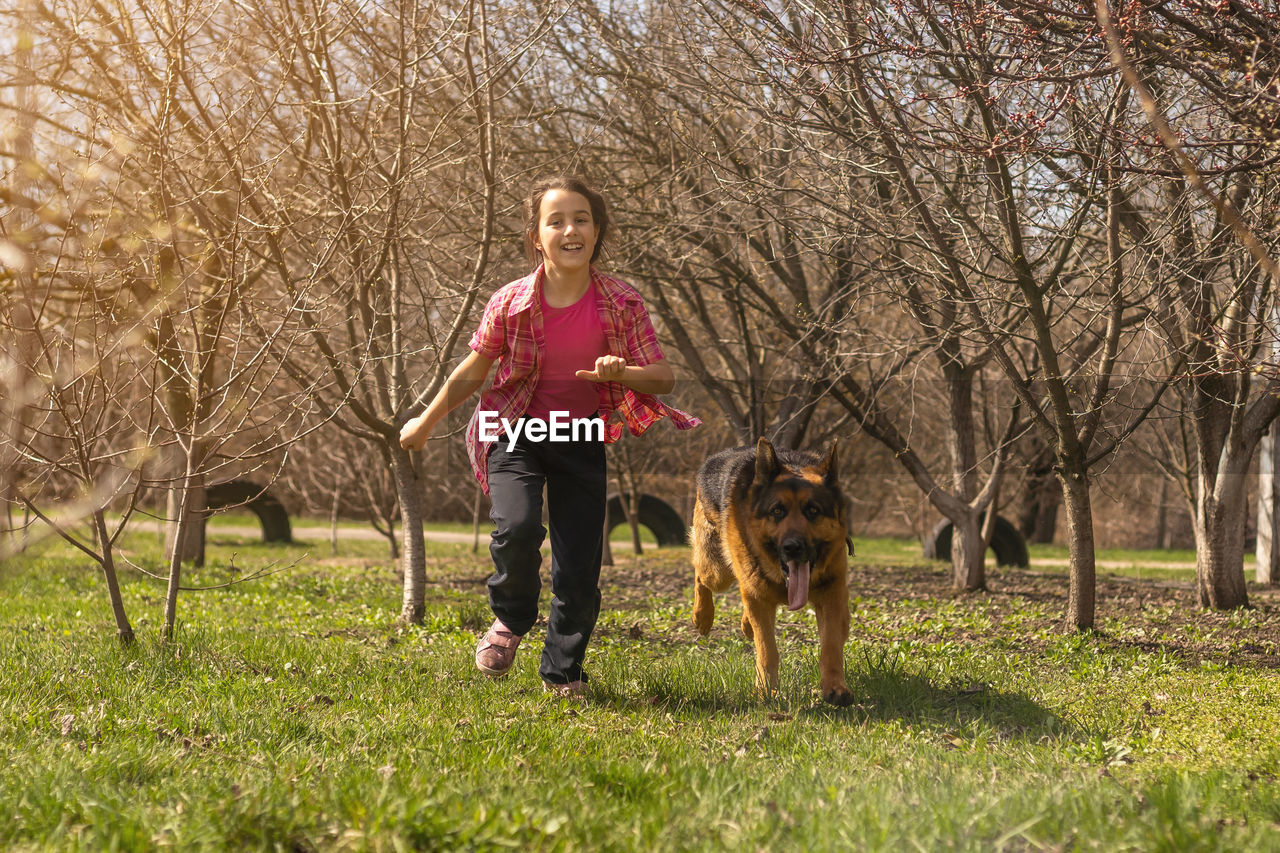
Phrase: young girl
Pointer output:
(570, 343)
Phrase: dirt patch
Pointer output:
(634, 582)
(1150, 615)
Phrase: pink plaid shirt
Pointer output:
(511, 334)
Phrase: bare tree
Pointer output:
(334, 474)
(692, 248)
(880, 246)
(393, 147)
(936, 147)
(1221, 277)
(1050, 277)
(155, 124)
(75, 424)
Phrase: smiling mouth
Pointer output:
(573, 247)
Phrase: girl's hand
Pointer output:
(609, 368)
(414, 434)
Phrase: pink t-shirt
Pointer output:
(574, 339)
(509, 335)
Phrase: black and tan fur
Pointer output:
(764, 516)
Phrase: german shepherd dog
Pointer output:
(776, 522)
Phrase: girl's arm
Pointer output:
(465, 380)
(654, 378)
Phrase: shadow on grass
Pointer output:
(892, 693)
(885, 688)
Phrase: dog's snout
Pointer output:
(793, 549)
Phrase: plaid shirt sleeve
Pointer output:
(642, 342)
(489, 338)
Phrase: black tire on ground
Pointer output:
(1006, 542)
(270, 512)
(657, 515)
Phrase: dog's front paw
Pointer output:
(702, 621)
(840, 696)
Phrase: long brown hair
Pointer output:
(568, 183)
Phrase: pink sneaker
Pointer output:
(572, 690)
(496, 651)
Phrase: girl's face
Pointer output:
(566, 231)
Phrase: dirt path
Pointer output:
(321, 534)
(315, 534)
(1055, 563)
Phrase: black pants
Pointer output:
(574, 475)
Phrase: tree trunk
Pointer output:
(9, 498)
(629, 511)
(1162, 516)
(1219, 526)
(393, 545)
(1081, 587)
(198, 523)
(1225, 444)
(10, 475)
(1046, 522)
(181, 410)
(606, 550)
(1038, 520)
(968, 553)
(409, 490)
(21, 350)
(180, 537)
(189, 527)
(1268, 523)
(633, 519)
(124, 631)
(333, 522)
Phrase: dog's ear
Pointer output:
(830, 468)
(767, 466)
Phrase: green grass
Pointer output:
(1171, 564)
(1151, 565)
(244, 518)
(312, 529)
(887, 552)
(1126, 555)
(294, 712)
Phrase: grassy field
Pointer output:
(295, 713)
(318, 530)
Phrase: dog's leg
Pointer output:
(709, 573)
(707, 579)
(704, 605)
(831, 606)
(761, 624)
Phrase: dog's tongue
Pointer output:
(797, 585)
